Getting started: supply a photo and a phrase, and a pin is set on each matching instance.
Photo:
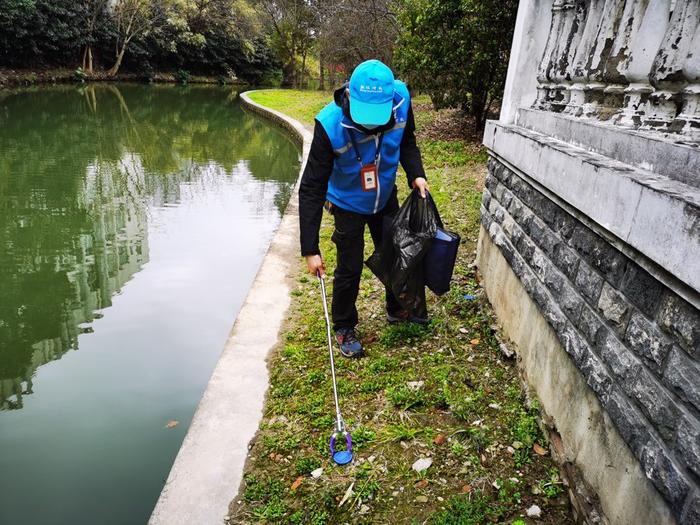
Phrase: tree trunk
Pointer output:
(321, 83)
(303, 69)
(115, 68)
(89, 69)
(288, 73)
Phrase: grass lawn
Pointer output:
(444, 392)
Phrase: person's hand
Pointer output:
(315, 265)
(421, 184)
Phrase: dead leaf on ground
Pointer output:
(297, 482)
(540, 451)
(172, 423)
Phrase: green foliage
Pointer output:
(223, 37)
(182, 76)
(405, 397)
(306, 465)
(457, 50)
(80, 75)
(464, 510)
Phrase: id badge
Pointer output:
(368, 176)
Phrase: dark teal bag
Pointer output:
(439, 262)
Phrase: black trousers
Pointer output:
(349, 239)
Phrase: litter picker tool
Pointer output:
(341, 457)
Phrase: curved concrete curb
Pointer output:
(208, 468)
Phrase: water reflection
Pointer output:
(80, 170)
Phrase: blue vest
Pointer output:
(345, 188)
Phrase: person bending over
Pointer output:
(359, 139)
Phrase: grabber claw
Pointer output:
(342, 457)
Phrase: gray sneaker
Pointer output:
(349, 345)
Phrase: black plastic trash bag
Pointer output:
(398, 263)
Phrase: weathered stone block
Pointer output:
(574, 344)
(621, 361)
(691, 510)
(630, 422)
(486, 218)
(506, 175)
(682, 321)
(485, 198)
(683, 374)
(565, 224)
(570, 301)
(490, 182)
(614, 308)
(498, 214)
(506, 197)
(566, 260)
(664, 473)
(515, 208)
(688, 443)
(553, 278)
(598, 253)
(589, 282)
(647, 341)
(641, 288)
(656, 403)
(526, 248)
(498, 192)
(589, 323)
(594, 370)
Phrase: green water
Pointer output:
(132, 222)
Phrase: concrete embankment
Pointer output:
(209, 466)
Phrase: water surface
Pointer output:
(132, 222)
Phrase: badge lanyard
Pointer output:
(368, 173)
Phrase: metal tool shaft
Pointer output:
(340, 424)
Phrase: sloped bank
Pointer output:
(209, 466)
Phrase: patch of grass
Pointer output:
(452, 153)
(307, 464)
(525, 430)
(298, 104)
(405, 397)
(402, 432)
(405, 333)
(473, 509)
(393, 424)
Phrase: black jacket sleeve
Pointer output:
(313, 189)
(410, 154)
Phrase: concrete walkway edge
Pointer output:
(208, 469)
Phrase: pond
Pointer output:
(132, 222)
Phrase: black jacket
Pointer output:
(319, 165)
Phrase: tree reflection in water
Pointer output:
(79, 171)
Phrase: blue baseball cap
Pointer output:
(371, 93)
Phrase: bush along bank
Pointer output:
(443, 431)
(12, 78)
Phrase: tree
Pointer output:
(352, 31)
(293, 25)
(132, 18)
(93, 13)
(457, 51)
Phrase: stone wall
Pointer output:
(635, 341)
(593, 203)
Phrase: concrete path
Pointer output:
(208, 469)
